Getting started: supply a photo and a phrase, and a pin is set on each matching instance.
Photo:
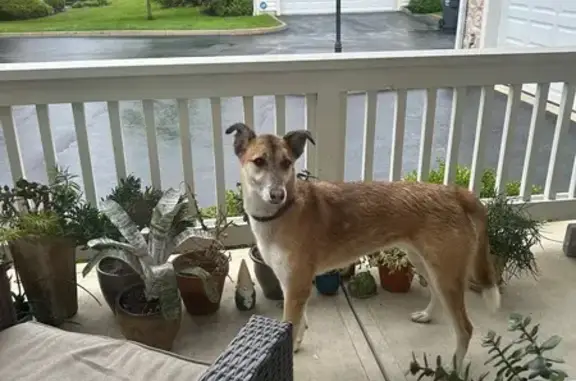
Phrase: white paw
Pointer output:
(421, 317)
(296, 346)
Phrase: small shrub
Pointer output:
(23, 9)
(234, 207)
(57, 5)
(229, 8)
(425, 6)
(488, 181)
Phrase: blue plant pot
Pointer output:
(328, 284)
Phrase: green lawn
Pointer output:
(131, 15)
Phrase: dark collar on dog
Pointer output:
(278, 213)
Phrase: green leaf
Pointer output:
(127, 258)
(192, 233)
(551, 343)
(210, 287)
(107, 243)
(161, 224)
(126, 226)
(161, 284)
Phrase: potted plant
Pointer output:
(511, 233)
(395, 271)
(114, 275)
(362, 284)
(328, 283)
(42, 234)
(201, 271)
(148, 312)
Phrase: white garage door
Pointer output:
(312, 7)
(538, 23)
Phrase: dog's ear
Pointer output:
(244, 135)
(296, 140)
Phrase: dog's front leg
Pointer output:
(295, 299)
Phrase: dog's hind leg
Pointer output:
(431, 311)
(450, 288)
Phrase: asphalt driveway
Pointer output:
(305, 34)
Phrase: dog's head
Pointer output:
(267, 161)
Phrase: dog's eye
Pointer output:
(259, 162)
(285, 164)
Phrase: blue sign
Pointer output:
(263, 5)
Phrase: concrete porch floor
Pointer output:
(334, 345)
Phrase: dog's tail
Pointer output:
(483, 271)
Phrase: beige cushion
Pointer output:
(36, 352)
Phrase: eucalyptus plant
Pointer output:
(148, 255)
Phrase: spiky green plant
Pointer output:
(526, 358)
(149, 258)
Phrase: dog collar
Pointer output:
(276, 215)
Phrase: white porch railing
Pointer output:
(324, 80)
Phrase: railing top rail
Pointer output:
(256, 64)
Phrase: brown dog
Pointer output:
(305, 228)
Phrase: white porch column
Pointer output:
(491, 19)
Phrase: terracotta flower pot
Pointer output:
(266, 278)
(114, 276)
(47, 269)
(397, 281)
(192, 288)
(142, 321)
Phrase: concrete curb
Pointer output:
(154, 33)
(428, 19)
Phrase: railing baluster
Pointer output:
(369, 135)
(216, 106)
(185, 142)
(12, 145)
(311, 102)
(248, 103)
(43, 117)
(512, 104)
(398, 135)
(426, 135)
(538, 113)
(454, 137)
(331, 115)
(117, 139)
(481, 137)
(280, 101)
(560, 132)
(79, 114)
(152, 139)
(572, 187)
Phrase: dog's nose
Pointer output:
(277, 195)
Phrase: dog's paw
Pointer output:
(421, 317)
(296, 346)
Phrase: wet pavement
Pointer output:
(394, 31)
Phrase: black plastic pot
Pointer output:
(266, 277)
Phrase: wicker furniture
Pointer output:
(261, 351)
